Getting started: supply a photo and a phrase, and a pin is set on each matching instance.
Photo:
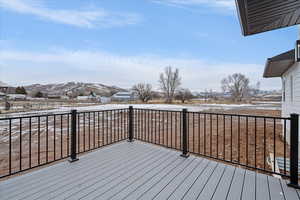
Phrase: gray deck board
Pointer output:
(236, 187)
(180, 191)
(200, 182)
(224, 184)
(249, 190)
(288, 192)
(172, 186)
(144, 171)
(212, 183)
(276, 192)
(262, 187)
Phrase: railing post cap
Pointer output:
(184, 109)
(130, 107)
(73, 110)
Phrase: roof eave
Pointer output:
(240, 7)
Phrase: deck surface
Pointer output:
(144, 171)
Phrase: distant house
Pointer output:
(87, 98)
(287, 68)
(4, 87)
(123, 96)
(104, 99)
(54, 96)
(2, 96)
(65, 97)
(17, 97)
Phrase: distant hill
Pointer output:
(73, 89)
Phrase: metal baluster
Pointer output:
(39, 140)
(61, 136)
(217, 136)
(265, 143)
(54, 137)
(30, 138)
(10, 148)
(20, 148)
(47, 138)
(247, 127)
(210, 135)
(224, 135)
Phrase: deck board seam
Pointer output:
(40, 180)
(172, 161)
(282, 190)
(186, 178)
(241, 195)
(196, 180)
(61, 179)
(231, 183)
(154, 156)
(34, 172)
(225, 168)
(217, 165)
(173, 179)
(163, 177)
(269, 190)
(79, 165)
(126, 161)
(205, 166)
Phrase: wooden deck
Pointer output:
(144, 171)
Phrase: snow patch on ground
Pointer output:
(171, 107)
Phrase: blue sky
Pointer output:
(121, 43)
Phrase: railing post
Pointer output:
(73, 157)
(184, 134)
(294, 157)
(130, 124)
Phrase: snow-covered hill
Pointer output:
(74, 88)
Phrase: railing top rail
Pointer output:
(158, 110)
(98, 111)
(241, 115)
(144, 109)
(216, 113)
(34, 116)
(56, 114)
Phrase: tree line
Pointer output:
(169, 84)
(236, 86)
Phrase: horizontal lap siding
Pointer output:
(288, 106)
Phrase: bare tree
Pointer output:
(184, 94)
(237, 85)
(169, 81)
(255, 89)
(143, 91)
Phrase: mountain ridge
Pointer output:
(73, 89)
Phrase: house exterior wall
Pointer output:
(291, 93)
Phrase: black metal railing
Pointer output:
(158, 127)
(255, 142)
(32, 141)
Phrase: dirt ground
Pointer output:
(249, 141)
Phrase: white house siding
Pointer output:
(291, 102)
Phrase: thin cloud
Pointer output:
(227, 4)
(80, 18)
(123, 71)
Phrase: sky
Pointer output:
(121, 43)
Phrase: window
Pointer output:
(292, 89)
